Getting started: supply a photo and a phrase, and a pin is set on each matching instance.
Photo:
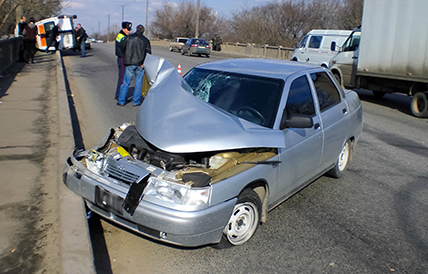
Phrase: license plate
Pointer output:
(201, 47)
(108, 201)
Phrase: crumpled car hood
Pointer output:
(174, 120)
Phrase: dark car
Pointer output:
(196, 46)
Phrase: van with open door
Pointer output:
(66, 31)
(314, 48)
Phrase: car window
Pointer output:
(300, 100)
(327, 93)
(353, 42)
(315, 42)
(182, 40)
(252, 98)
(302, 43)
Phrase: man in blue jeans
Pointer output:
(134, 48)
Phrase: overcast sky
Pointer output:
(93, 14)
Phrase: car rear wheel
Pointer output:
(170, 48)
(244, 220)
(208, 56)
(182, 52)
(342, 161)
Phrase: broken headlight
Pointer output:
(176, 193)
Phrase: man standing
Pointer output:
(19, 31)
(53, 38)
(126, 28)
(81, 38)
(30, 41)
(134, 48)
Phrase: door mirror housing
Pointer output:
(296, 121)
(333, 46)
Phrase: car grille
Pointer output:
(120, 172)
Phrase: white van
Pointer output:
(66, 31)
(315, 46)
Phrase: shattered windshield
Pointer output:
(252, 98)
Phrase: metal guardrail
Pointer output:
(249, 50)
(9, 52)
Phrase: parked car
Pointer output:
(177, 43)
(196, 46)
(212, 152)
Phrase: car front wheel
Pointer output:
(244, 220)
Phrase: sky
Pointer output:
(94, 14)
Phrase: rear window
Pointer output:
(182, 40)
(249, 97)
(199, 42)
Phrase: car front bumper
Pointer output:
(186, 228)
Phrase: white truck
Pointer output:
(314, 48)
(66, 31)
(389, 52)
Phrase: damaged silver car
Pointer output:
(212, 152)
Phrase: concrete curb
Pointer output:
(75, 247)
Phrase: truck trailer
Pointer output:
(388, 52)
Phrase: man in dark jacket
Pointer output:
(30, 41)
(134, 48)
(52, 39)
(81, 38)
(126, 28)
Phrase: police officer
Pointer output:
(126, 29)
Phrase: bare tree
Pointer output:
(171, 21)
(38, 9)
(351, 14)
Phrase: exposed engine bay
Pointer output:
(125, 145)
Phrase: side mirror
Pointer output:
(296, 121)
(333, 46)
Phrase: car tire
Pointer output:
(244, 220)
(342, 161)
(419, 105)
(182, 52)
(379, 94)
(171, 49)
(208, 56)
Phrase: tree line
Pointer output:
(276, 23)
(12, 10)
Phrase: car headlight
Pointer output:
(177, 193)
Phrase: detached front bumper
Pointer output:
(186, 228)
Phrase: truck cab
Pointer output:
(344, 63)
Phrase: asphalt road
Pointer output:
(372, 220)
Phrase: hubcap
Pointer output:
(343, 157)
(242, 223)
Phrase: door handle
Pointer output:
(345, 111)
(316, 126)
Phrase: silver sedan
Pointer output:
(211, 153)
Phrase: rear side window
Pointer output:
(315, 42)
(182, 40)
(300, 99)
(327, 93)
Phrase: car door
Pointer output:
(301, 156)
(334, 117)
(347, 59)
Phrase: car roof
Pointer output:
(279, 69)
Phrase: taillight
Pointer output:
(193, 46)
(208, 47)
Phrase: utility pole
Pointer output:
(197, 20)
(147, 17)
(123, 12)
(108, 29)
